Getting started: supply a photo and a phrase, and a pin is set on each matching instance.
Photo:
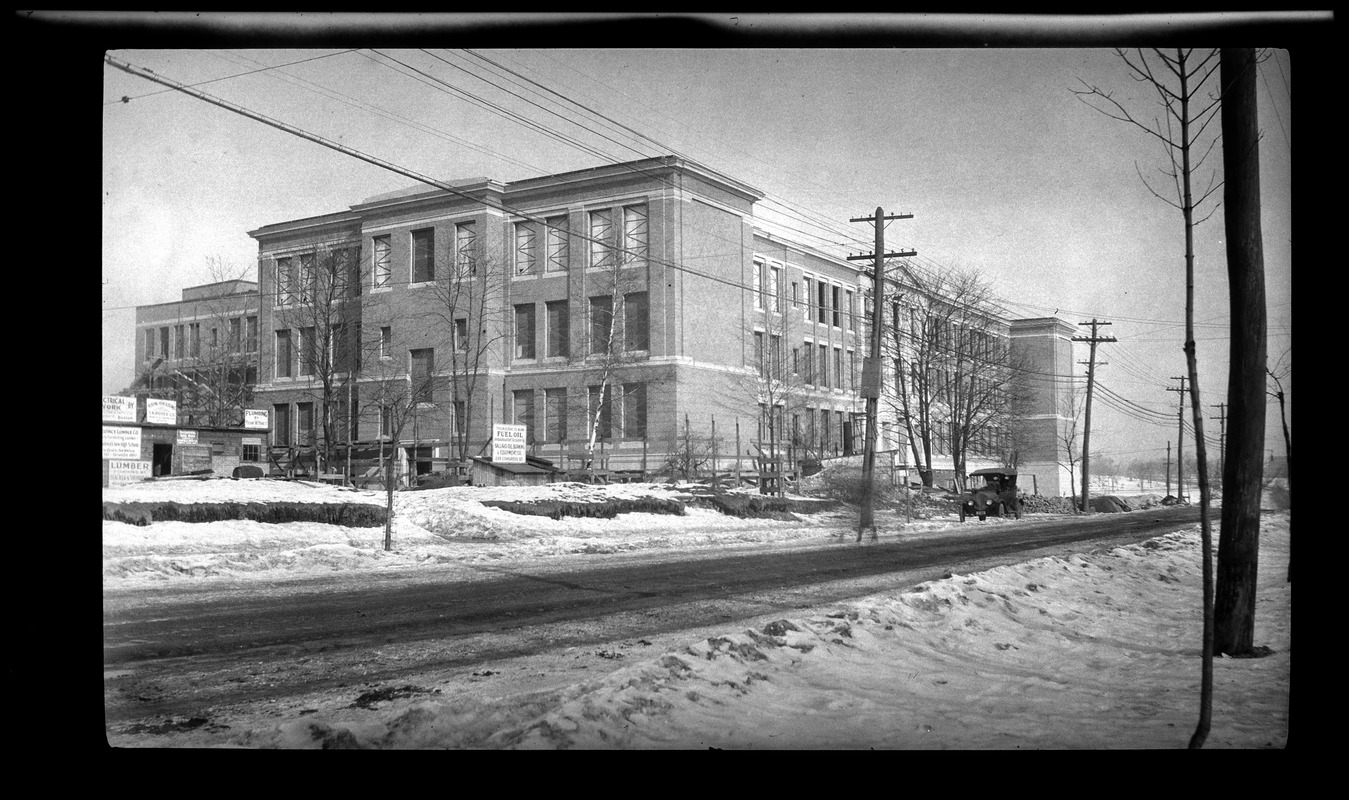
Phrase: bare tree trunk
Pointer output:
(1238, 547)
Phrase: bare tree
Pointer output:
(469, 308)
(618, 323)
(314, 288)
(1239, 545)
(397, 400)
(953, 375)
(1178, 79)
(1070, 444)
(216, 383)
(779, 376)
(1280, 372)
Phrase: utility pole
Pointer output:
(871, 367)
(1180, 444)
(1222, 437)
(1168, 467)
(1086, 433)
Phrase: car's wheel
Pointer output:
(1016, 509)
(997, 510)
(962, 512)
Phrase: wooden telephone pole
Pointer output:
(1180, 443)
(1222, 437)
(871, 366)
(1086, 432)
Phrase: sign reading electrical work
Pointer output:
(119, 409)
(127, 471)
(121, 443)
(255, 419)
(161, 412)
(508, 444)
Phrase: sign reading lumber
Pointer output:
(127, 471)
(508, 444)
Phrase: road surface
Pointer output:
(195, 652)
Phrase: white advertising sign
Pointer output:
(161, 412)
(121, 443)
(187, 437)
(127, 471)
(256, 419)
(508, 444)
(119, 409)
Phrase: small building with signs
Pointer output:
(532, 472)
(142, 439)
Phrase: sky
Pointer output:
(1090, 649)
(1004, 169)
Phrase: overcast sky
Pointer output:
(1004, 169)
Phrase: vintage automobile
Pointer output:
(997, 495)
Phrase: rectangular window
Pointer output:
(423, 256)
(555, 415)
(179, 342)
(636, 322)
(422, 374)
(559, 329)
(852, 311)
(601, 239)
(252, 331)
(285, 282)
(636, 236)
(559, 255)
(756, 277)
(522, 407)
(307, 283)
(599, 403)
(382, 268)
(775, 289)
(251, 452)
(526, 253)
(634, 411)
(838, 369)
(824, 365)
(304, 423)
(796, 361)
(284, 358)
(775, 357)
(461, 334)
(149, 344)
(601, 323)
(465, 249)
(308, 351)
(386, 421)
(852, 369)
(194, 338)
(809, 304)
(524, 330)
(281, 424)
(760, 363)
(808, 371)
(340, 350)
(164, 342)
(460, 416)
(236, 334)
(838, 306)
(386, 342)
(822, 304)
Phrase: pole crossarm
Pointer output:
(1091, 363)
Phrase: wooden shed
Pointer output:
(533, 472)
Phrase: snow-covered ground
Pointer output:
(1098, 650)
